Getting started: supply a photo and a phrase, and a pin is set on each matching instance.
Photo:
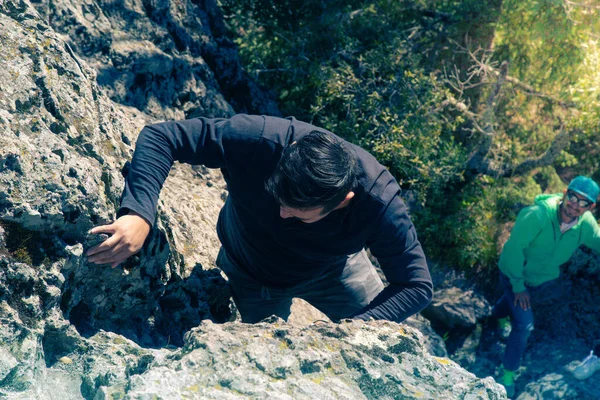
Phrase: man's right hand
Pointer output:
(128, 234)
(523, 300)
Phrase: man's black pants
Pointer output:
(339, 292)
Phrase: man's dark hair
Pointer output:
(316, 171)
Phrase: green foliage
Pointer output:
(387, 106)
(541, 42)
(459, 229)
(553, 47)
(26, 246)
(548, 180)
(510, 196)
(586, 93)
(374, 72)
(358, 69)
(446, 336)
(462, 228)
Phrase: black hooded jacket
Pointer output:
(281, 252)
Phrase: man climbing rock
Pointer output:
(544, 236)
(303, 204)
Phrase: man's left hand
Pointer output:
(523, 300)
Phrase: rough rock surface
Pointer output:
(354, 360)
(305, 314)
(170, 59)
(376, 360)
(63, 149)
(433, 342)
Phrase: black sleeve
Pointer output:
(215, 143)
(395, 245)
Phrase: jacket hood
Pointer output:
(549, 203)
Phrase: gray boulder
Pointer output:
(454, 307)
(354, 360)
(302, 314)
(552, 386)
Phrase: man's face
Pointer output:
(573, 205)
(306, 216)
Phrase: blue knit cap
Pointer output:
(586, 187)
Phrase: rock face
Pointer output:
(63, 149)
(72, 330)
(356, 360)
(170, 59)
(377, 360)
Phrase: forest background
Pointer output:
(475, 106)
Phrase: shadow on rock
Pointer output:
(146, 299)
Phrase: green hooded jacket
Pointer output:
(536, 248)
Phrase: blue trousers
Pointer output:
(521, 321)
(339, 292)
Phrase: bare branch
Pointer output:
(531, 90)
(482, 72)
(261, 70)
(484, 68)
(464, 109)
(479, 161)
(491, 101)
(559, 143)
(482, 61)
(476, 85)
(476, 76)
(584, 4)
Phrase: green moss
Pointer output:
(119, 340)
(21, 255)
(27, 246)
(193, 388)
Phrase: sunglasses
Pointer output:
(572, 197)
